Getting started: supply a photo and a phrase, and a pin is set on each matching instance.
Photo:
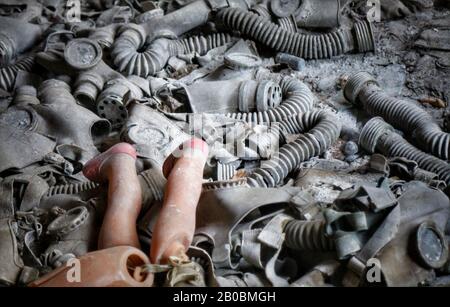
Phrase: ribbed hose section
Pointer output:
(262, 10)
(8, 74)
(406, 116)
(434, 140)
(362, 88)
(307, 236)
(72, 188)
(130, 60)
(302, 45)
(380, 136)
(298, 99)
(396, 146)
(288, 24)
(202, 44)
(320, 130)
(364, 36)
(7, 50)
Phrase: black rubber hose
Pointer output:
(297, 99)
(377, 135)
(72, 188)
(130, 60)
(261, 10)
(202, 44)
(362, 89)
(287, 23)
(307, 235)
(8, 74)
(152, 185)
(319, 131)
(302, 45)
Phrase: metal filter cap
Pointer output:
(82, 53)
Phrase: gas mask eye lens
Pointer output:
(430, 245)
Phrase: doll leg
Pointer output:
(117, 167)
(175, 226)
